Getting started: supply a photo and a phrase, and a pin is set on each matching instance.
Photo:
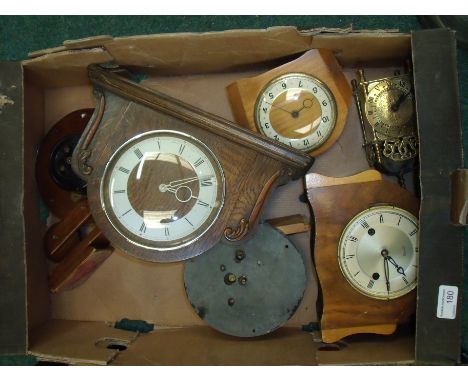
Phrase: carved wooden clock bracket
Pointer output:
(250, 166)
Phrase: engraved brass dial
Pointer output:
(389, 107)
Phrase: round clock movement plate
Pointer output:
(247, 290)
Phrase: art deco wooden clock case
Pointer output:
(366, 253)
(303, 103)
(167, 181)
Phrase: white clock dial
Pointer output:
(378, 252)
(298, 110)
(163, 190)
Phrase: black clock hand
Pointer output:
(277, 107)
(295, 113)
(399, 269)
(384, 253)
(387, 274)
(396, 105)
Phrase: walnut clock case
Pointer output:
(366, 253)
(167, 181)
(303, 103)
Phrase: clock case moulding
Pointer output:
(252, 165)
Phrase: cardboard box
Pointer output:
(76, 327)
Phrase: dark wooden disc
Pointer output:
(60, 189)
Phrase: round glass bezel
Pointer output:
(294, 142)
(344, 236)
(127, 234)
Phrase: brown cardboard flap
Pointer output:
(36, 268)
(204, 346)
(459, 204)
(438, 339)
(369, 350)
(78, 342)
(315, 31)
(87, 42)
(43, 52)
(67, 68)
(178, 53)
(354, 49)
(82, 43)
(13, 319)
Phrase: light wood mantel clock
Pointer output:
(303, 103)
(366, 253)
(167, 181)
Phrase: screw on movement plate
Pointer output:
(230, 278)
(240, 255)
(242, 280)
(230, 301)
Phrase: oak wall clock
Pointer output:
(302, 104)
(167, 181)
(366, 253)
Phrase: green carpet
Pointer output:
(22, 34)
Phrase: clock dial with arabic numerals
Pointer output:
(298, 110)
(162, 190)
(378, 252)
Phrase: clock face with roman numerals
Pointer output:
(162, 190)
(378, 252)
(298, 110)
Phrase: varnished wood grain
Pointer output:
(319, 63)
(249, 161)
(317, 180)
(63, 236)
(79, 264)
(290, 225)
(110, 79)
(345, 310)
